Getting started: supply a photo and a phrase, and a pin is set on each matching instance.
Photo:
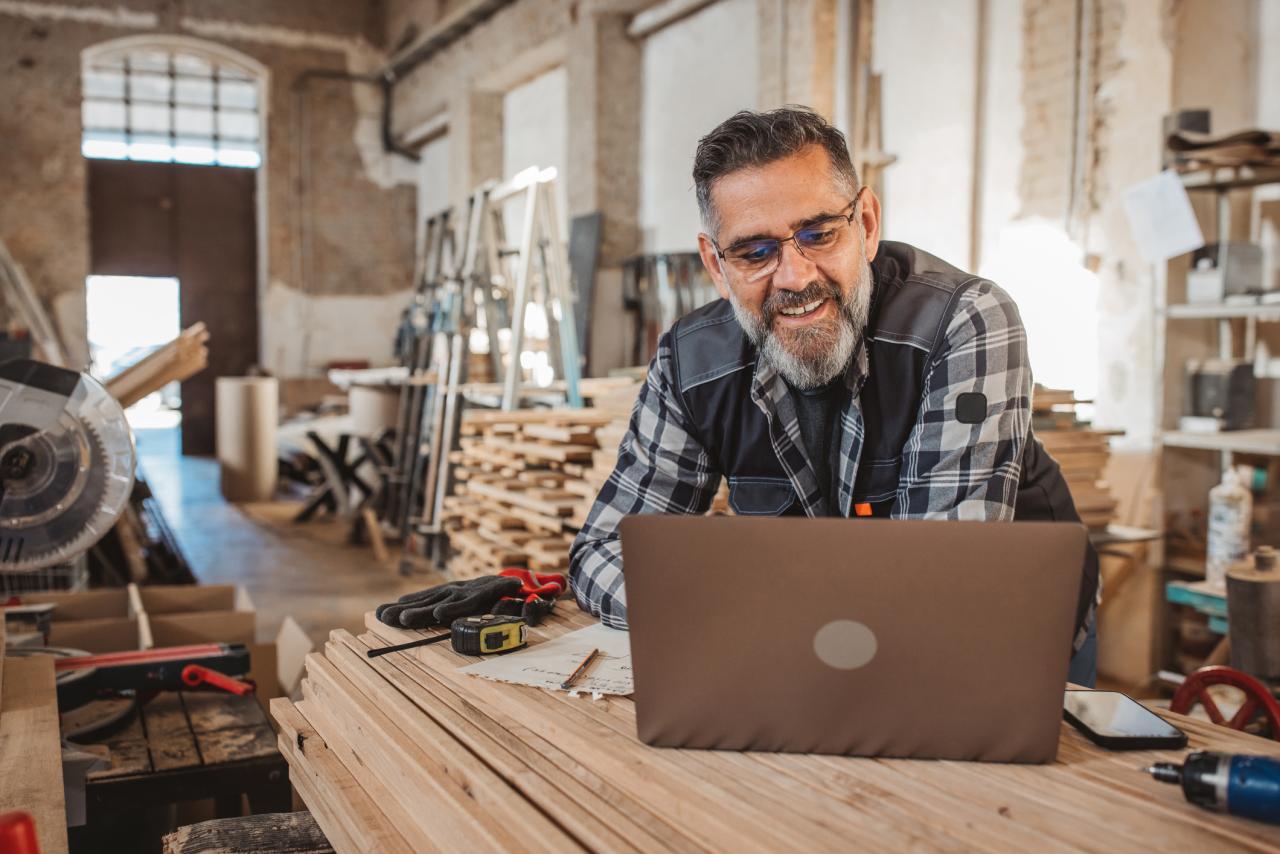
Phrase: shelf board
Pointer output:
(1230, 177)
(1238, 441)
(1215, 311)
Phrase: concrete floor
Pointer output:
(307, 570)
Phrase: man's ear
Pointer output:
(711, 261)
(869, 219)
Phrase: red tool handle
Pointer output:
(18, 833)
(195, 675)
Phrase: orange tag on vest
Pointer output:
(863, 509)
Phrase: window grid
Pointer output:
(217, 141)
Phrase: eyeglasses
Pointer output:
(755, 259)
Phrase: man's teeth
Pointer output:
(800, 311)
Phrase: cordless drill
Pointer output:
(1242, 785)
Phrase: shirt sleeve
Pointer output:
(956, 470)
(661, 468)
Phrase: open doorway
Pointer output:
(128, 318)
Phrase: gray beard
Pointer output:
(834, 349)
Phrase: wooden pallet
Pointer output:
(525, 480)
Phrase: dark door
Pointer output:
(197, 224)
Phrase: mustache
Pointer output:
(779, 300)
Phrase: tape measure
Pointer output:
(487, 635)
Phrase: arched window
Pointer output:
(173, 101)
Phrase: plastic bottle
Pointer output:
(1230, 516)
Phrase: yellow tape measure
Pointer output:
(487, 634)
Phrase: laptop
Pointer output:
(925, 639)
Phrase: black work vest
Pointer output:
(914, 301)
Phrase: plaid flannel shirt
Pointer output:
(950, 470)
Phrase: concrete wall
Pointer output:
(350, 213)
(927, 54)
(697, 72)
(535, 128)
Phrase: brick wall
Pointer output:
(360, 224)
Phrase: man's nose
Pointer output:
(795, 271)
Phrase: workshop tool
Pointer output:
(1258, 700)
(66, 464)
(1239, 784)
(82, 678)
(485, 634)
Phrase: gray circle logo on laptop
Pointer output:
(845, 644)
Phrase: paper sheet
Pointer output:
(1161, 218)
(547, 664)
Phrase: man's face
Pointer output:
(807, 314)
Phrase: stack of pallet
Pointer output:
(1082, 452)
(180, 359)
(523, 483)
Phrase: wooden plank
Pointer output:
(211, 712)
(515, 498)
(568, 435)
(469, 805)
(236, 745)
(169, 738)
(1087, 799)
(349, 818)
(284, 833)
(588, 806)
(411, 824)
(30, 749)
(128, 752)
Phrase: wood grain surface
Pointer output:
(31, 751)
(406, 747)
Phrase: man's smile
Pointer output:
(803, 315)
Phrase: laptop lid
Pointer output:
(942, 640)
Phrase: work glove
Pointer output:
(441, 605)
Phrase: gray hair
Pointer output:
(750, 138)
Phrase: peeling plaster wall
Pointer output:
(356, 209)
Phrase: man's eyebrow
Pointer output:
(795, 226)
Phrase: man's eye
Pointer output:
(754, 253)
(817, 236)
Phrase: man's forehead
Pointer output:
(776, 198)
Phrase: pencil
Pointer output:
(581, 668)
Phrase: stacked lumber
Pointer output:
(31, 747)
(370, 751)
(180, 359)
(519, 487)
(1081, 451)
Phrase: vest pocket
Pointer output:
(877, 481)
(760, 496)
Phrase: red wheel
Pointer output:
(1258, 700)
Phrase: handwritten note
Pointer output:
(547, 664)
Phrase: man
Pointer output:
(840, 375)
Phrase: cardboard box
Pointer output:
(183, 614)
(95, 621)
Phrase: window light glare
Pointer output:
(239, 157)
(151, 151)
(196, 154)
(104, 149)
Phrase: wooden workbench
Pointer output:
(187, 746)
(404, 753)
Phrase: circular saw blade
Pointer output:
(66, 464)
